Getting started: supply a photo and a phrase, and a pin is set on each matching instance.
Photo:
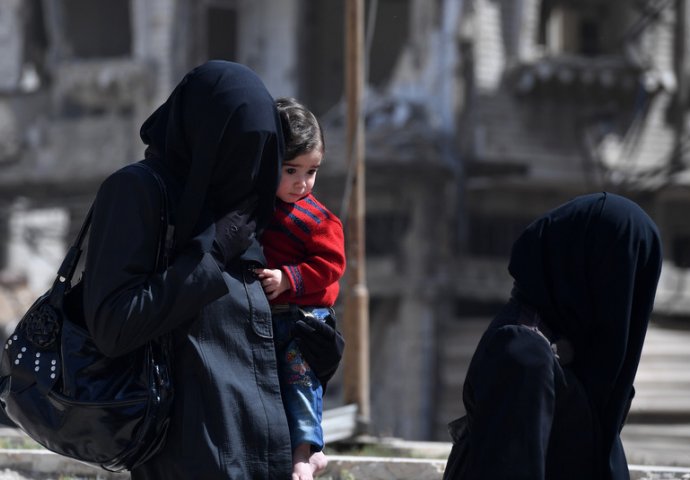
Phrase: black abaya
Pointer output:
(586, 273)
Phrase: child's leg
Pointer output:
(303, 400)
(302, 397)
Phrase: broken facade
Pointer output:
(480, 115)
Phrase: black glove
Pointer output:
(235, 232)
(321, 345)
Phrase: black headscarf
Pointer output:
(219, 134)
(591, 267)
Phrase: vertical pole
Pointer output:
(356, 321)
(680, 67)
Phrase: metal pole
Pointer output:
(356, 321)
(680, 67)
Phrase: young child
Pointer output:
(304, 248)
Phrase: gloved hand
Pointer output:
(234, 232)
(321, 345)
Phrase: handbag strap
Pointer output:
(166, 226)
(69, 263)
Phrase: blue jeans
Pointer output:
(301, 390)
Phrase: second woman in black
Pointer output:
(550, 384)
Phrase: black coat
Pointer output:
(528, 417)
(228, 420)
(589, 270)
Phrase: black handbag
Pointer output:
(65, 394)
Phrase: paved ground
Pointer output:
(340, 468)
(658, 427)
(663, 379)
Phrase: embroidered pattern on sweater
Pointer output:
(296, 279)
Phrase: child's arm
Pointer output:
(273, 281)
(324, 263)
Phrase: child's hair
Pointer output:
(301, 129)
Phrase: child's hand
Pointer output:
(273, 281)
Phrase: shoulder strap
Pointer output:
(165, 245)
(69, 264)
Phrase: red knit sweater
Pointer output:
(306, 241)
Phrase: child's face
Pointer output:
(298, 176)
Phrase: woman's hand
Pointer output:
(321, 345)
(234, 233)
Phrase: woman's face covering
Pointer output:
(219, 133)
(591, 267)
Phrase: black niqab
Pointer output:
(221, 139)
(591, 267)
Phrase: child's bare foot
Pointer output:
(318, 461)
(306, 464)
(302, 471)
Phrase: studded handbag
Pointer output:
(64, 393)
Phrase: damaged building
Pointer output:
(480, 115)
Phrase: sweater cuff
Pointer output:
(295, 279)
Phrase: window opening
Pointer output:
(97, 28)
(221, 33)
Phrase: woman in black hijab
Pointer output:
(217, 144)
(550, 384)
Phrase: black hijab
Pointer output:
(219, 134)
(591, 267)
